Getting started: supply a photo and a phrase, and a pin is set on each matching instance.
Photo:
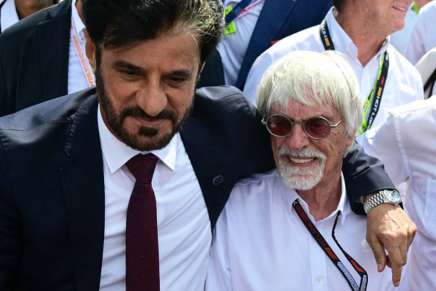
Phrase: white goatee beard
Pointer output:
(301, 178)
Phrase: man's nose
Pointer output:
(151, 98)
(298, 138)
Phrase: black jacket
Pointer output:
(34, 58)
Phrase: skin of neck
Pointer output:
(367, 38)
(324, 198)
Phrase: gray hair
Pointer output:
(313, 78)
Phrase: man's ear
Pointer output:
(90, 51)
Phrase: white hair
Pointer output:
(313, 78)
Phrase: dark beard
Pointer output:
(115, 121)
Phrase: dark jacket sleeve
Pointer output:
(9, 233)
(364, 175)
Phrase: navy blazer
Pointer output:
(34, 57)
(52, 190)
(278, 19)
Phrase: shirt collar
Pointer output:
(9, 15)
(79, 26)
(116, 153)
(343, 43)
(290, 195)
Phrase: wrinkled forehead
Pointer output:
(307, 104)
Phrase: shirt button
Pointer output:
(319, 279)
(218, 180)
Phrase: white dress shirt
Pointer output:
(401, 39)
(184, 230)
(260, 243)
(406, 144)
(423, 36)
(232, 48)
(76, 76)
(9, 14)
(403, 83)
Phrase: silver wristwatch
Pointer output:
(384, 196)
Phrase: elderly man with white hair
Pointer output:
(292, 228)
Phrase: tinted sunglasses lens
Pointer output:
(279, 125)
(317, 127)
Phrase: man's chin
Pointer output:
(302, 183)
(145, 139)
(145, 143)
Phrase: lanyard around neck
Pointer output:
(84, 63)
(415, 8)
(317, 236)
(373, 101)
(236, 10)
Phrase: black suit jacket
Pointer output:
(52, 189)
(34, 58)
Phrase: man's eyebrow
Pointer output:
(125, 66)
(184, 74)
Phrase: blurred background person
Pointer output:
(252, 26)
(44, 57)
(427, 68)
(400, 39)
(11, 11)
(406, 144)
(423, 36)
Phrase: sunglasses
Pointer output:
(280, 125)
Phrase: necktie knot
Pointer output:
(142, 167)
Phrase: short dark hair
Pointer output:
(338, 4)
(118, 23)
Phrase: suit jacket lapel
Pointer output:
(83, 183)
(47, 54)
(274, 13)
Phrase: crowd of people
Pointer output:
(217, 145)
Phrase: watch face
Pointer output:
(393, 196)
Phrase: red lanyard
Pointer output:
(330, 253)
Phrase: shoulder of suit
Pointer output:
(221, 101)
(27, 25)
(46, 114)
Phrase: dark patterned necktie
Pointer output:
(142, 250)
